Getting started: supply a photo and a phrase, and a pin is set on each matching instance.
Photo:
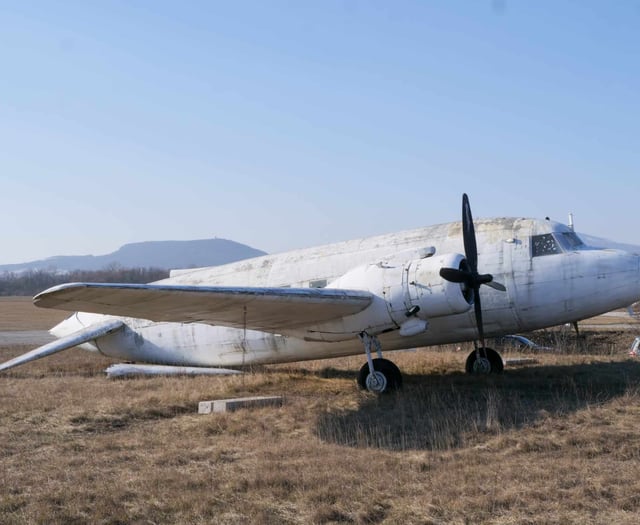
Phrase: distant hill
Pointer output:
(158, 254)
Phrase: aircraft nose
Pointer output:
(633, 274)
(619, 272)
(637, 257)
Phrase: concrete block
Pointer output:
(520, 361)
(231, 405)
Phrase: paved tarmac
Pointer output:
(26, 337)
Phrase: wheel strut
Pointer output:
(369, 340)
(375, 381)
(377, 375)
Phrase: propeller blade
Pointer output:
(482, 278)
(469, 235)
(453, 275)
(475, 280)
(497, 286)
(470, 276)
(478, 310)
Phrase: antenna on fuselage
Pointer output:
(571, 222)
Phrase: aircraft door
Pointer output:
(518, 269)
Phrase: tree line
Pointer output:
(32, 282)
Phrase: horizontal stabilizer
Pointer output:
(127, 370)
(77, 338)
(266, 309)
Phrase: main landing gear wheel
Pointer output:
(484, 361)
(386, 377)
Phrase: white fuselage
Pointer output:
(547, 284)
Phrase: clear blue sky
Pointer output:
(285, 124)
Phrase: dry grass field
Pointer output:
(18, 313)
(557, 442)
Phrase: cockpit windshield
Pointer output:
(557, 242)
(570, 241)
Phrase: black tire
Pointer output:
(388, 368)
(495, 360)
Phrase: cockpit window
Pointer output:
(558, 242)
(570, 241)
(545, 244)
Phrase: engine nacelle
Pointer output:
(435, 296)
(406, 296)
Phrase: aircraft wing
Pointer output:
(265, 309)
(81, 336)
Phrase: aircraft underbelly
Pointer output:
(204, 345)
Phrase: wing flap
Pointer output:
(81, 336)
(266, 309)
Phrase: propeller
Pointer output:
(468, 274)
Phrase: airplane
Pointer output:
(397, 291)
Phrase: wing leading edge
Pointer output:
(265, 309)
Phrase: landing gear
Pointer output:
(378, 375)
(386, 377)
(484, 361)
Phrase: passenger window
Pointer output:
(320, 283)
(544, 245)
